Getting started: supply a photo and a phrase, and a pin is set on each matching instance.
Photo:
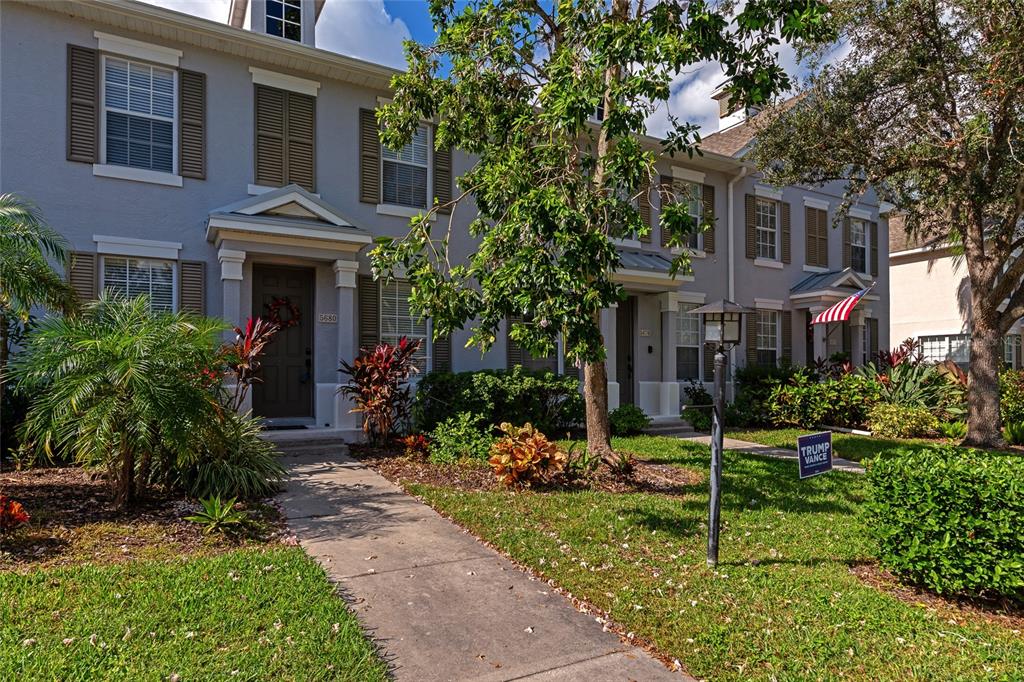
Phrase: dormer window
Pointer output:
(284, 19)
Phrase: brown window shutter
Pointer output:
(513, 353)
(751, 338)
(300, 145)
(750, 211)
(847, 251)
(811, 240)
(443, 178)
(708, 196)
(872, 339)
(709, 363)
(369, 157)
(874, 249)
(270, 126)
(192, 125)
(369, 312)
(667, 196)
(192, 287)
(443, 354)
(83, 104)
(786, 320)
(82, 275)
(823, 229)
(644, 205)
(787, 251)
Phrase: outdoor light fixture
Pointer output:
(723, 324)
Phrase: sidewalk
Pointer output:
(442, 605)
(838, 463)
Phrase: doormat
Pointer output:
(283, 427)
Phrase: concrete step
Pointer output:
(331, 449)
(669, 428)
(301, 442)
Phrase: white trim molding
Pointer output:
(138, 248)
(768, 263)
(402, 211)
(859, 213)
(104, 170)
(815, 268)
(669, 301)
(138, 49)
(283, 81)
(230, 263)
(768, 304)
(816, 203)
(766, 192)
(691, 297)
(688, 175)
(345, 273)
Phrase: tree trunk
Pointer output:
(125, 494)
(595, 395)
(984, 428)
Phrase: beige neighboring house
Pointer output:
(931, 299)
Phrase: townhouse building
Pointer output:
(234, 169)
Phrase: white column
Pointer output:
(669, 303)
(608, 333)
(820, 351)
(345, 285)
(231, 288)
(856, 323)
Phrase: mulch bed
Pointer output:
(646, 477)
(73, 520)
(996, 611)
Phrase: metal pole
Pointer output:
(717, 435)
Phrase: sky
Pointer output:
(375, 29)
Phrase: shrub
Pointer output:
(918, 385)
(524, 456)
(699, 417)
(379, 386)
(754, 386)
(460, 437)
(550, 402)
(417, 446)
(806, 402)
(1013, 433)
(901, 421)
(628, 420)
(12, 515)
(953, 430)
(1011, 396)
(950, 519)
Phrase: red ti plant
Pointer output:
(379, 386)
(241, 357)
(909, 351)
(12, 515)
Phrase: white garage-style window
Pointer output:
(397, 319)
(766, 216)
(132, 277)
(139, 115)
(687, 343)
(405, 173)
(767, 337)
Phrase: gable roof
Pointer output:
(291, 202)
(832, 280)
(729, 142)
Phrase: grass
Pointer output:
(245, 615)
(783, 604)
(847, 445)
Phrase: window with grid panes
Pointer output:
(138, 115)
(132, 277)
(688, 342)
(404, 172)
(691, 193)
(1011, 349)
(767, 337)
(284, 19)
(397, 320)
(766, 216)
(858, 245)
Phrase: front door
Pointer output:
(286, 372)
(625, 318)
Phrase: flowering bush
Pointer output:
(379, 386)
(524, 456)
(417, 446)
(12, 515)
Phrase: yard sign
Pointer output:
(815, 453)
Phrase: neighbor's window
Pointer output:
(960, 348)
(139, 115)
(691, 193)
(284, 19)
(397, 320)
(687, 343)
(767, 222)
(955, 347)
(859, 245)
(767, 337)
(404, 171)
(132, 277)
(1011, 350)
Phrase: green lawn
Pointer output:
(847, 445)
(782, 605)
(242, 615)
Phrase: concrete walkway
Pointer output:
(838, 463)
(442, 605)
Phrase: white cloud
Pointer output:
(356, 28)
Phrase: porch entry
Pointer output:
(625, 355)
(286, 389)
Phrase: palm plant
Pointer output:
(117, 385)
(27, 279)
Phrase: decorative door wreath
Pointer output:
(274, 312)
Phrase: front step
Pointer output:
(669, 427)
(294, 443)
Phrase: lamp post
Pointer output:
(723, 324)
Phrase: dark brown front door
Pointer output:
(625, 318)
(286, 389)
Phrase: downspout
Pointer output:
(731, 238)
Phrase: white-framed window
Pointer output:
(284, 19)
(692, 194)
(132, 277)
(397, 319)
(960, 348)
(1011, 350)
(938, 348)
(767, 337)
(405, 173)
(139, 115)
(859, 245)
(688, 342)
(766, 217)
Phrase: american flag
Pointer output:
(840, 312)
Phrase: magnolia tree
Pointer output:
(518, 85)
(927, 109)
